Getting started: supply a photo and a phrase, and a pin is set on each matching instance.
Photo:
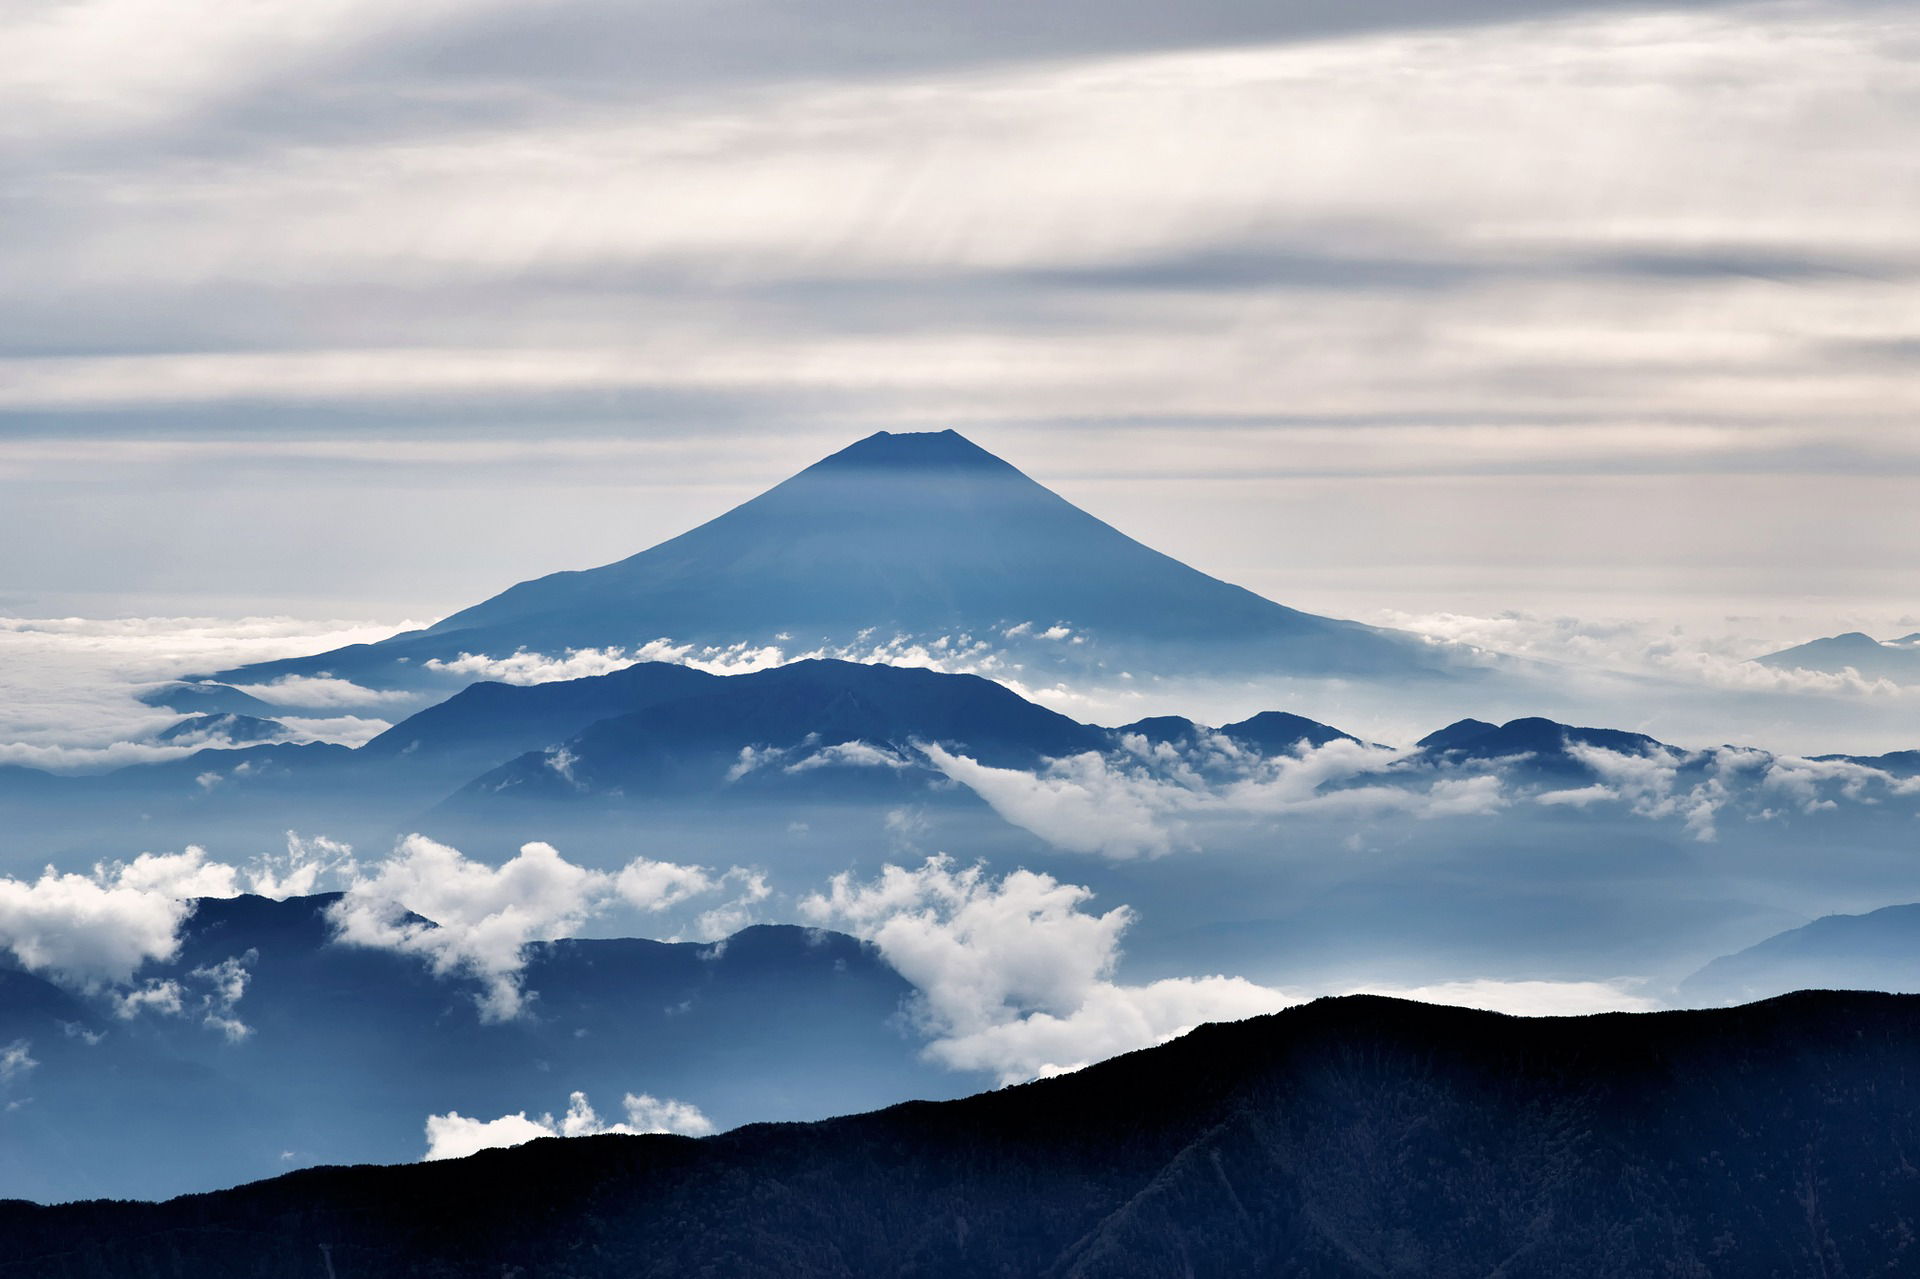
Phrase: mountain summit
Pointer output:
(925, 535)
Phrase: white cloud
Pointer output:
(211, 992)
(161, 996)
(454, 1136)
(731, 916)
(321, 692)
(953, 654)
(100, 67)
(650, 885)
(1079, 803)
(76, 1030)
(87, 930)
(478, 919)
(68, 686)
(226, 983)
(649, 1114)
(346, 730)
(467, 919)
(1688, 653)
(16, 1059)
(527, 667)
(299, 871)
(96, 930)
(175, 875)
(1110, 1020)
(1014, 976)
(1141, 800)
(847, 755)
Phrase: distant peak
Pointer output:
(1456, 734)
(913, 449)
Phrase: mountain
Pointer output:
(1879, 950)
(1280, 733)
(1897, 660)
(202, 698)
(1268, 733)
(487, 724)
(497, 764)
(1348, 1137)
(808, 725)
(1544, 744)
(346, 1050)
(1897, 763)
(914, 534)
(226, 728)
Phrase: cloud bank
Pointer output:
(71, 684)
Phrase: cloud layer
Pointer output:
(71, 684)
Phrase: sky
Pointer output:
(1385, 309)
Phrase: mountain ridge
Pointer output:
(1346, 1137)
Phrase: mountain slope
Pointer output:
(1879, 950)
(785, 723)
(918, 534)
(1541, 745)
(346, 1050)
(1897, 660)
(1348, 1137)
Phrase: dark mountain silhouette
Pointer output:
(225, 728)
(487, 724)
(920, 534)
(1543, 742)
(1898, 763)
(1897, 660)
(815, 732)
(1349, 1137)
(1456, 735)
(1279, 733)
(1159, 729)
(204, 698)
(1268, 733)
(1879, 950)
(797, 712)
(349, 1049)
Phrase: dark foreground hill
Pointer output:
(1357, 1136)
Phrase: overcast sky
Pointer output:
(360, 309)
